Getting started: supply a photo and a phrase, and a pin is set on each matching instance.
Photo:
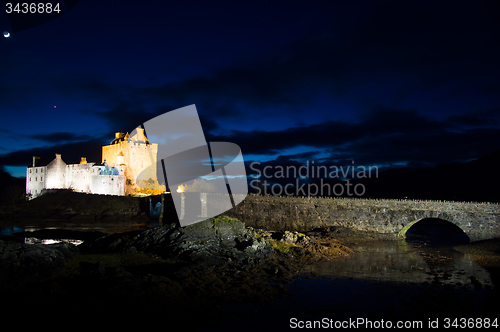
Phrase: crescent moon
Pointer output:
(6, 34)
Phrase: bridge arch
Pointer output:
(446, 225)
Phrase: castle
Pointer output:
(128, 164)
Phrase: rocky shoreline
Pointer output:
(177, 273)
(183, 271)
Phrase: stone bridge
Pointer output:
(479, 221)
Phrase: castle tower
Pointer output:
(136, 153)
(56, 173)
(120, 158)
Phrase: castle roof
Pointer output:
(138, 136)
(119, 137)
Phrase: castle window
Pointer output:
(41, 178)
(36, 170)
(36, 179)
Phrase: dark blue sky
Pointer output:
(386, 83)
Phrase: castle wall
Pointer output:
(110, 152)
(35, 180)
(56, 174)
(84, 178)
(108, 184)
(142, 162)
(78, 176)
(140, 159)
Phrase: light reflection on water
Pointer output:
(388, 280)
(381, 280)
(106, 228)
(399, 261)
(34, 240)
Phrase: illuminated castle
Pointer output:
(128, 163)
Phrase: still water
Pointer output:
(105, 228)
(419, 279)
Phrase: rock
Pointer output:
(20, 262)
(291, 237)
(212, 242)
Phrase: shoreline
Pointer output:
(130, 280)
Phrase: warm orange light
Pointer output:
(179, 189)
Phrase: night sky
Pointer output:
(385, 83)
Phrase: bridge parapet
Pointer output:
(390, 217)
(479, 220)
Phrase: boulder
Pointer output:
(20, 262)
(212, 242)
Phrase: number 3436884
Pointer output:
(478, 323)
(32, 8)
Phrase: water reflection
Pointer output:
(400, 261)
(390, 280)
(34, 240)
(425, 256)
(105, 228)
(434, 232)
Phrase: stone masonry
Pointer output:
(479, 221)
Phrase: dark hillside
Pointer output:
(477, 180)
(12, 189)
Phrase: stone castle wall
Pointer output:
(140, 159)
(108, 184)
(56, 174)
(35, 180)
(78, 177)
(85, 178)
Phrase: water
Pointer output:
(106, 228)
(419, 280)
(385, 281)
(414, 282)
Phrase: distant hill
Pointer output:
(10, 187)
(478, 180)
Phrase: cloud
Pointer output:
(373, 54)
(487, 118)
(71, 153)
(61, 136)
(380, 66)
(382, 137)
